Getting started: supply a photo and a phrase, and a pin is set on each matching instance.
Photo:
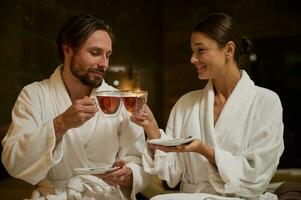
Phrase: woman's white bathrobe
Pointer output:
(29, 151)
(247, 139)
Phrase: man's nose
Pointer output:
(103, 61)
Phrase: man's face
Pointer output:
(91, 62)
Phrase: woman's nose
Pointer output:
(193, 59)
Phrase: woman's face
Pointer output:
(208, 58)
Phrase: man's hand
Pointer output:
(122, 176)
(75, 116)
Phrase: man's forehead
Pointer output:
(99, 39)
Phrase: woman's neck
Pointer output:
(225, 83)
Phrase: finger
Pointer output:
(141, 114)
(113, 174)
(119, 163)
(78, 106)
(89, 109)
(87, 101)
(122, 178)
(108, 178)
(180, 147)
(111, 182)
(147, 109)
(152, 146)
(167, 149)
(122, 172)
(83, 117)
(137, 118)
(83, 108)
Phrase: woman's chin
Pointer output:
(202, 76)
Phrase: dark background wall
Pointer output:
(28, 34)
(152, 41)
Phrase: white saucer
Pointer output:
(170, 141)
(94, 170)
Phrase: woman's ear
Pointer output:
(230, 49)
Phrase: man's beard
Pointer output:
(79, 72)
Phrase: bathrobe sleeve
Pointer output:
(171, 166)
(248, 173)
(29, 147)
(166, 166)
(132, 141)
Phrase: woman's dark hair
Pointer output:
(77, 30)
(222, 28)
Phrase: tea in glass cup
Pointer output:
(134, 100)
(109, 101)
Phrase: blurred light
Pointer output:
(253, 57)
(116, 82)
(117, 68)
(124, 77)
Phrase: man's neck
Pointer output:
(75, 88)
(78, 92)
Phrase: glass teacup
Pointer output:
(134, 100)
(109, 102)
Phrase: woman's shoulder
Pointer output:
(188, 98)
(191, 95)
(267, 97)
(265, 93)
(184, 105)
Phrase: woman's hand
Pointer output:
(147, 120)
(196, 146)
(192, 146)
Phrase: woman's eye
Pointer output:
(95, 53)
(201, 50)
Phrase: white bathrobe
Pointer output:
(247, 139)
(29, 151)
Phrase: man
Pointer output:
(56, 126)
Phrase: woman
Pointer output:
(237, 126)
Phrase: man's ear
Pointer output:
(67, 51)
(230, 49)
